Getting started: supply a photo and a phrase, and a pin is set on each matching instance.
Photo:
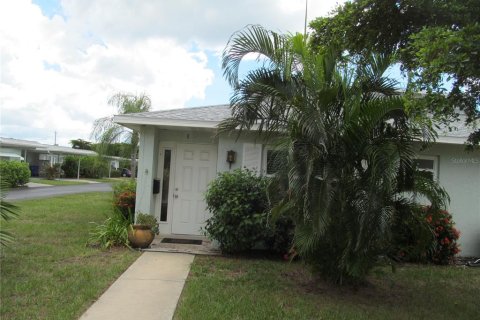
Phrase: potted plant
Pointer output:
(142, 233)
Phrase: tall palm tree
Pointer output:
(106, 132)
(347, 137)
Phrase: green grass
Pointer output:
(49, 273)
(56, 182)
(109, 180)
(234, 288)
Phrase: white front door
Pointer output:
(196, 166)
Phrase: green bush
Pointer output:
(51, 172)
(70, 166)
(113, 232)
(124, 196)
(280, 236)
(93, 167)
(424, 235)
(238, 203)
(14, 173)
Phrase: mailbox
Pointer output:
(156, 186)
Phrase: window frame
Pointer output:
(435, 165)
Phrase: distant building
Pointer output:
(37, 154)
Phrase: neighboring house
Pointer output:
(37, 154)
(180, 154)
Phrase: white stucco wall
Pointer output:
(147, 169)
(459, 174)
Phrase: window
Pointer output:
(167, 159)
(428, 165)
(274, 160)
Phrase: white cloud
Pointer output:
(56, 74)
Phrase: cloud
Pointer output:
(58, 70)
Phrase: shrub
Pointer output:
(446, 235)
(238, 203)
(147, 220)
(70, 166)
(51, 172)
(124, 197)
(280, 237)
(113, 232)
(425, 235)
(14, 173)
(93, 167)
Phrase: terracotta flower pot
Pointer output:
(140, 236)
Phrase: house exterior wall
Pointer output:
(459, 174)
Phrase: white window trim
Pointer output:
(435, 165)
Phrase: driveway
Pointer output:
(52, 191)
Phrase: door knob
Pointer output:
(175, 196)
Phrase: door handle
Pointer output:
(175, 196)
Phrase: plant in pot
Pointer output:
(142, 233)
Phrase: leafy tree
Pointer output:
(349, 146)
(81, 144)
(106, 132)
(435, 41)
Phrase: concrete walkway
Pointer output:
(148, 290)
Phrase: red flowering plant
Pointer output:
(124, 198)
(125, 203)
(445, 233)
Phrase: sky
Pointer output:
(61, 60)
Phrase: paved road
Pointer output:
(45, 192)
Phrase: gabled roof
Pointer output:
(210, 116)
(40, 147)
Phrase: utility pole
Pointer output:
(55, 140)
(305, 25)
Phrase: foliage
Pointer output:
(70, 166)
(81, 144)
(124, 197)
(446, 236)
(106, 132)
(148, 220)
(93, 167)
(280, 235)
(51, 172)
(113, 232)
(434, 41)
(8, 211)
(238, 203)
(348, 140)
(14, 173)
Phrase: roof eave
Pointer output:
(135, 122)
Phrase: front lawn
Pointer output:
(50, 273)
(56, 182)
(234, 288)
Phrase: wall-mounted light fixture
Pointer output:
(231, 156)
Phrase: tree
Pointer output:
(106, 132)
(348, 141)
(81, 144)
(435, 41)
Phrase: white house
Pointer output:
(180, 155)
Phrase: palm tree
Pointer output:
(8, 211)
(348, 140)
(106, 132)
